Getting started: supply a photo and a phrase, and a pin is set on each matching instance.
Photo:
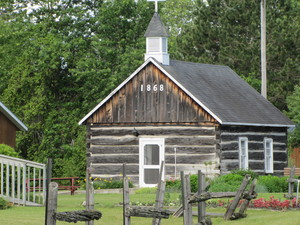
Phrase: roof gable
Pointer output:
(149, 97)
(12, 117)
(223, 95)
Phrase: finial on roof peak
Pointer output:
(156, 3)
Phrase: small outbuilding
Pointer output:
(9, 125)
(190, 115)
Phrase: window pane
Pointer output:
(151, 176)
(243, 166)
(268, 148)
(243, 151)
(268, 164)
(164, 44)
(151, 155)
(243, 148)
(153, 44)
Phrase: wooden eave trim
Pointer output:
(141, 124)
(83, 120)
(257, 124)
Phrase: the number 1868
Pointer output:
(154, 87)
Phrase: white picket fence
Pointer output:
(22, 182)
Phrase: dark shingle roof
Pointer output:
(225, 94)
(156, 27)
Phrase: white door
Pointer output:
(151, 156)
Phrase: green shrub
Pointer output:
(229, 182)
(173, 185)
(4, 204)
(109, 184)
(7, 150)
(194, 183)
(245, 172)
(274, 184)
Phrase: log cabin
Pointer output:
(192, 116)
(9, 125)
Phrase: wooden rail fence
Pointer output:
(157, 212)
(201, 196)
(70, 216)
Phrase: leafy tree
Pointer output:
(61, 59)
(177, 15)
(228, 32)
(294, 113)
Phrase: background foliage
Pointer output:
(59, 58)
(7, 150)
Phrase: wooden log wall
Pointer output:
(110, 147)
(229, 146)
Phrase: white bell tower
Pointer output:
(157, 39)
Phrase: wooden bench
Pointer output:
(71, 187)
(287, 171)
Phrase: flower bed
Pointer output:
(274, 203)
(261, 203)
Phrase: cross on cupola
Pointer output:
(157, 38)
(156, 3)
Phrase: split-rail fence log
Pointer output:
(201, 196)
(157, 212)
(71, 216)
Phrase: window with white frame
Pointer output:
(151, 154)
(243, 152)
(153, 44)
(268, 147)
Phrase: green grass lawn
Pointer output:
(112, 214)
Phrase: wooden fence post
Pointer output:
(232, 206)
(245, 204)
(90, 199)
(201, 189)
(159, 201)
(188, 195)
(48, 180)
(126, 218)
(186, 189)
(291, 183)
(52, 203)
